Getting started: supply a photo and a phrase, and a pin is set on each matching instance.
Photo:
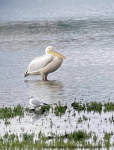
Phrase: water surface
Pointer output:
(84, 34)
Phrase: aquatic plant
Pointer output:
(42, 110)
(85, 118)
(78, 106)
(45, 108)
(18, 110)
(94, 106)
(78, 139)
(94, 138)
(107, 137)
(111, 119)
(8, 112)
(6, 122)
(108, 106)
(79, 135)
(60, 110)
(80, 120)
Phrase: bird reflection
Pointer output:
(49, 91)
(34, 118)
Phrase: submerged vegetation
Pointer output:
(77, 138)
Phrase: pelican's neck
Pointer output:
(46, 51)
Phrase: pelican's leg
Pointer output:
(46, 78)
(42, 78)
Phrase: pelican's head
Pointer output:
(50, 50)
(31, 97)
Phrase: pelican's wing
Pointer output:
(39, 62)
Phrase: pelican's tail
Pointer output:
(31, 73)
(26, 74)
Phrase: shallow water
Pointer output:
(98, 122)
(85, 37)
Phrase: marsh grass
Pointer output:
(107, 140)
(77, 106)
(85, 118)
(108, 107)
(94, 106)
(77, 139)
(7, 122)
(60, 110)
(79, 135)
(8, 112)
(111, 119)
(43, 109)
(94, 138)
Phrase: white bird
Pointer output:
(35, 103)
(45, 64)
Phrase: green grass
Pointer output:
(60, 110)
(43, 109)
(79, 135)
(94, 106)
(111, 119)
(74, 140)
(108, 107)
(94, 138)
(107, 140)
(77, 139)
(8, 112)
(78, 106)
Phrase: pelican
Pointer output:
(35, 103)
(45, 64)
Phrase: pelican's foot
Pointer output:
(46, 78)
(43, 78)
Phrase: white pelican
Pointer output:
(35, 103)
(45, 64)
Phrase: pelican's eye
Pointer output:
(49, 48)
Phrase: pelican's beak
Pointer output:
(52, 51)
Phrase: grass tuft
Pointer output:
(60, 110)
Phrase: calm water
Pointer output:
(82, 31)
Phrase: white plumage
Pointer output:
(40, 62)
(45, 64)
(35, 103)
